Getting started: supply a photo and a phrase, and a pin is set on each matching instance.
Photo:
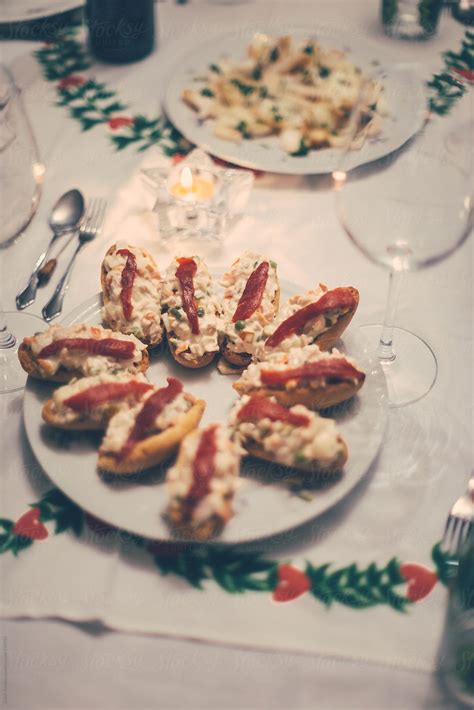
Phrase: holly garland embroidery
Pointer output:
(92, 103)
(396, 584)
(447, 87)
(237, 572)
(234, 571)
(463, 61)
(64, 57)
(146, 133)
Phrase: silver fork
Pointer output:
(459, 524)
(90, 228)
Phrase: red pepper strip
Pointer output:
(258, 408)
(126, 282)
(152, 407)
(185, 274)
(106, 392)
(338, 369)
(252, 294)
(203, 464)
(338, 298)
(111, 347)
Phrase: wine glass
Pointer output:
(21, 177)
(405, 212)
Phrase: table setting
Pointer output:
(236, 355)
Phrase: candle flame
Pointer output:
(186, 178)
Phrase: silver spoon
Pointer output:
(88, 231)
(65, 217)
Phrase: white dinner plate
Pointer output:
(403, 90)
(25, 10)
(264, 506)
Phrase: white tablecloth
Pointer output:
(54, 664)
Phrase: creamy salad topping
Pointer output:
(288, 444)
(88, 363)
(245, 336)
(223, 484)
(185, 342)
(250, 378)
(122, 423)
(102, 412)
(145, 322)
(312, 329)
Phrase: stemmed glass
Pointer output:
(406, 212)
(21, 176)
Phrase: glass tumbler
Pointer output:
(411, 19)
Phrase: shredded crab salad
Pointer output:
(122, 423)
(244, 336)
(180, 335)
(297, 90)
(250, 378)
(291, 445)
(145, 321)
(102, 412)
(87, 363)
(312, 329)
(223, 484)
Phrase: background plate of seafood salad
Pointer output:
(281, 101)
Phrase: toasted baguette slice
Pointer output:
(50, 416)
(204, 517)
(239, 344)
(312, 397)
(62, 376)
(242, 359)
(204, 531)
(329, 338)
(317, 392)
(100, 398)
(296, 438)
(156, 448)
(194, 363)
(237, 360)
(224, 367)
(189, 346)
(62, 353)
(112, 311)
(336, 306)
(314, 466)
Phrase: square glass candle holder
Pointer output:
(197, 198)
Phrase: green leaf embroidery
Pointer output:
(359, 589)
(448, 86)
(89, 102)
(19, 543)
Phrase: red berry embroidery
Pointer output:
(465, 73)
(29, 525)
(421, 580)
(70, 81)
(120, 122)
(292, 583)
